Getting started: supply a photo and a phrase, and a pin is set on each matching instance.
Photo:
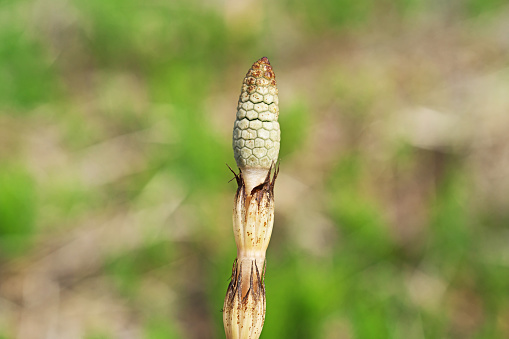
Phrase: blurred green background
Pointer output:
(392, 217)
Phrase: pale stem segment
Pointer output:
(253, 219)
(256, 141)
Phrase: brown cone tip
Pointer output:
(262, 69)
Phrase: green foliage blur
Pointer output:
(115, 200)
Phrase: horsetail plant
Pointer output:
(256, 140)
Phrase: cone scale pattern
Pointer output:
(256, 134)
(256, 140)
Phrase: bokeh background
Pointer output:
(392, 204)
